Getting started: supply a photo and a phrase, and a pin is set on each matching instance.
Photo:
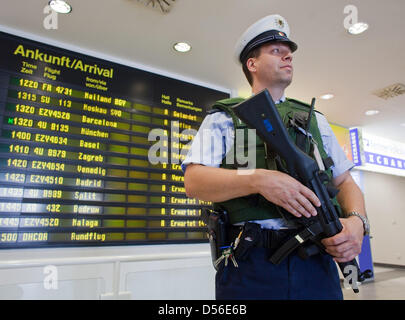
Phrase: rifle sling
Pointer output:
(308, 233)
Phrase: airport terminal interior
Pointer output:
(100, 101)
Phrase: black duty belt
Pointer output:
(254, 236)
(263, 238)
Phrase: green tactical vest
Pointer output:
(256, 207)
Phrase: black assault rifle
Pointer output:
(260, 113)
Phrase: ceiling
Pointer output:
(328, 59)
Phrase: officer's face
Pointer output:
(273, 66)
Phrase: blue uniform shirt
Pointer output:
(215, 137)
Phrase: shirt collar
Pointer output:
(282, 99)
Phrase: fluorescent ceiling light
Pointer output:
(358, 28)
(327, 96)
(371, 112)
(60, 6)
(182, 47)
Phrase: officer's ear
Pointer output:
(251, 64)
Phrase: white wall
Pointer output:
(155, 272)
(385, 205)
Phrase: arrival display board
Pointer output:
(90, 150)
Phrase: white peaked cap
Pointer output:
(270, 28)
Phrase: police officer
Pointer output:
(266, 53)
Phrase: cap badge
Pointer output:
(280, 23)
(282, 34)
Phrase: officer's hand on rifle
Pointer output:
(286, 192)
(346, 245)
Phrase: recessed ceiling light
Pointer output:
(327, 96)
(182, 47)
(371, 112)
(358, 28)
(60, 6)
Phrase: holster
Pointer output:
(217, 223)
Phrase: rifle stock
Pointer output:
(260, 113)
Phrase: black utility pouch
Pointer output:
(251, 237)
(217, 223)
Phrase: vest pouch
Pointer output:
(247, 153)
(241, 209)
